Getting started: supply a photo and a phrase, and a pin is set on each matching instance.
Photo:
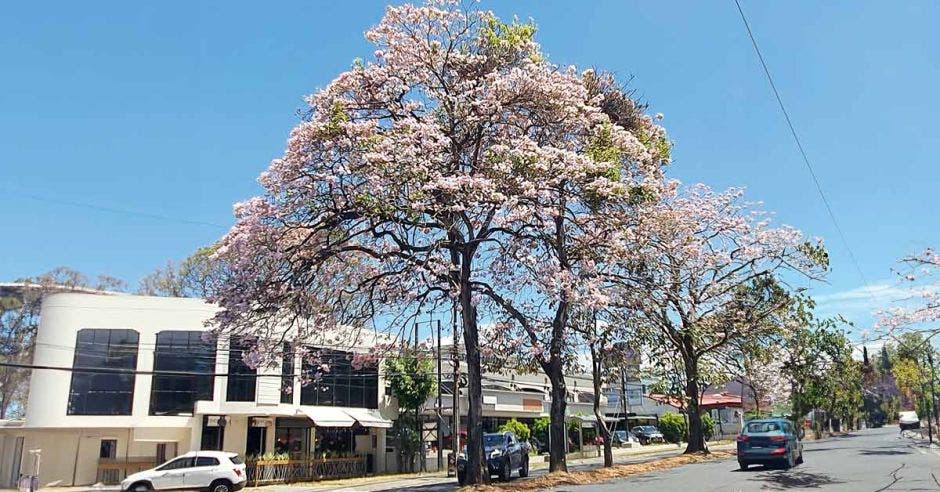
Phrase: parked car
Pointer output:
(215, 471)
(908, 420)
(770, 442)
(621, 437)
(647, 434)
(504, 453)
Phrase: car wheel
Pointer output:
(506, 471)
(140, 487)
(743, 465)
(799, 459)
(524, 470)
(220, 486)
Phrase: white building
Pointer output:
(141, 398)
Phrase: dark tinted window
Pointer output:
(341, 385)
(182, 351)
(108, 448)
(241, 378)
(287, 378)
(103, 393)
(177, 464)
(212, 436)
(763, 427)
(206, 461)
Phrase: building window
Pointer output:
(213, 436)
(287, 378)
(241, 378)
(183, 351)
(99, 392)
(341, 385)
(291, 440)
(108, 448)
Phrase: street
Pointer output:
(872, 460)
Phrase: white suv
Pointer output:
(215, 471)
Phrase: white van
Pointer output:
(908, 420)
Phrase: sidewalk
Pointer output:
(398, 481)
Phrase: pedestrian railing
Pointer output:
(263, 472)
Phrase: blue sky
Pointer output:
(174, 108)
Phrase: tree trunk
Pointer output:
(557, 440)
(597, 367)
(475, 459)
(696, 433)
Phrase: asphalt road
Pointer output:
(872, 460)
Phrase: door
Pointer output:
(512, 447)
(255, 442)
(173, 474)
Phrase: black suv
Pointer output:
(504, 453)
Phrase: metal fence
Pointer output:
(286, 471)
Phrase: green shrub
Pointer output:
(673, 427)
(540, 428)
(708, 426)
(521, 430)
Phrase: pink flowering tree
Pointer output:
(696, 250)
(413, 177)
(551, 258)
(919, 312)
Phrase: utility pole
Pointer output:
(455, 405)
(440, 418)
(623, 398)
(933, 387)
(419, 426)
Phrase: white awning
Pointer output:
(327, 416)
(368, 418)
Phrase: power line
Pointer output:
(799, 145)
(112, 210)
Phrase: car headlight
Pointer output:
(496, 453)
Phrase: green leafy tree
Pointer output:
(521, 430)
(411, 379)
(199, 275)
(540, 428)
(674, 427)
(708, 426)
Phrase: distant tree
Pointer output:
(674, 427)
(521, 430)
(410, 377)
(540, 428)
(884, 362)
(199, 275)
(19, 318)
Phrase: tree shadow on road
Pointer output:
(886, 452)
(793, 479)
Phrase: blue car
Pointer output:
(770, 442)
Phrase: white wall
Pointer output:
(63, 315)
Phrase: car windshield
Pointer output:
(620, 433)
(236, 459)
(763, 427)
(490, 440)
(646, 428)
